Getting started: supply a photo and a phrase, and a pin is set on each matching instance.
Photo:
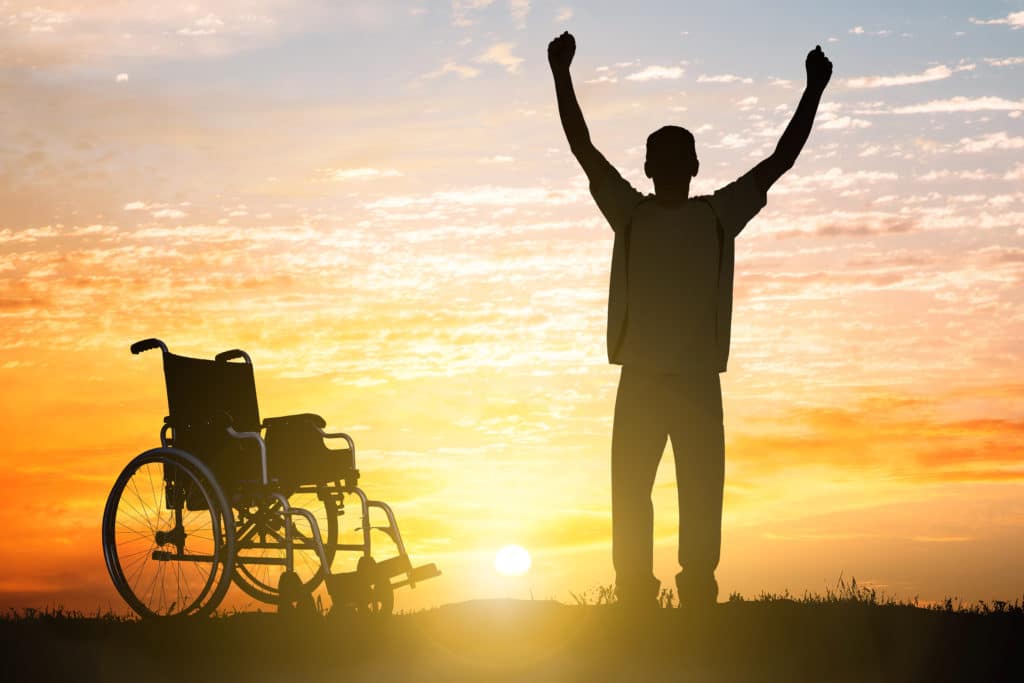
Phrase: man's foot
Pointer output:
(697, 589)
(638, 596)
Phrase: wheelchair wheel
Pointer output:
(260, 538)
(167, 546)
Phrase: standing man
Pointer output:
(669, 315)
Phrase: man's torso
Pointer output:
(672, 288)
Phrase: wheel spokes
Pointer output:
(177, 579)
(261, 535)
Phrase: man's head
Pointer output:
(671, 155)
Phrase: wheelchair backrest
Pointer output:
(200, 391)
(204, 397)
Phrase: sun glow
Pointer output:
(512, 560)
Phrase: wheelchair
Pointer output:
(228, 498)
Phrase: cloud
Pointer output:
(461, 11)
(121, 77)
(999, 254)
(832, 180)
(860, 437)
(168, 213)
(501, 54)
(519, 9)
(976, 174)
(956, 104)
(485, 195)
(155, 210)
(82, 32)
(992, 141)
(360, 173)
(38, 19)
(27, 235)
(1016, 174)
(1004, 61)
(1014, 20)
(564, 14)
(450, 67)
(829, 119)
(656, 73)
(859, 31)
(723, 78)
(203, 26)
(844, 122)
(935, 73)
(733, 141)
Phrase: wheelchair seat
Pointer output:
(297, 454)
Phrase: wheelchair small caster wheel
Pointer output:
(379, 595)
(293, 597)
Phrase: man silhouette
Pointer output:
(669, 316)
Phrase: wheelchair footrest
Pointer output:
(393, 566)
(418, 574)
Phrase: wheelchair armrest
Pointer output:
(302, 418)
(341, 435)
(262, 446)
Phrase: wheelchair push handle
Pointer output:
(148, 345)
(225, 356)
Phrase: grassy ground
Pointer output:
(846, 635)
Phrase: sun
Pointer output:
(512, 560)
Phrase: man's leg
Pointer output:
(638, 440)
(698, 444)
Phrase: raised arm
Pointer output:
(560, 53)
(819, 71)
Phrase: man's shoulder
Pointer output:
(704, 202)
(705, 199)
(639, 201)
(710, 201)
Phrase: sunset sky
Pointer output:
(376, 201)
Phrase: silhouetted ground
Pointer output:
(765, 640)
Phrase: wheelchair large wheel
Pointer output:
(166, 542)
(260, 538)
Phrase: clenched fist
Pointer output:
(819, 69)
(561, 51)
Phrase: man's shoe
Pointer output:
(638, 596)
(697, 590)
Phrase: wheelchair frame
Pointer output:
(251, 508)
